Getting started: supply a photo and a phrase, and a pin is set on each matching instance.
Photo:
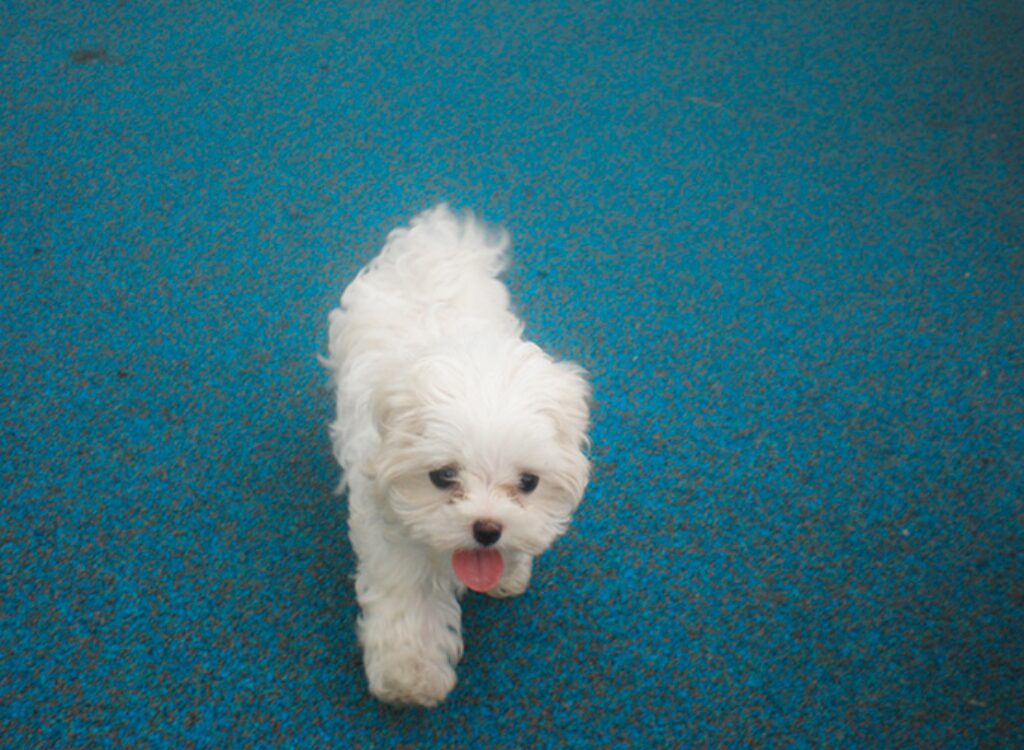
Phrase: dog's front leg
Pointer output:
(518, 567)
(410, 629)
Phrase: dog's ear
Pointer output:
(571, 395)
(396, 419)
(400, 409)
(392, 410)
(569, 408)
(399, 405)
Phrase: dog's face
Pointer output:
(483, 448)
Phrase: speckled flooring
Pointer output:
(784, 237)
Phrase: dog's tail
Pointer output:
(442, 249)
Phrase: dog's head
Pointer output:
(482, 452)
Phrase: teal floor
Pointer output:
(785, 238)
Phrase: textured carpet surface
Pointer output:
(784, 237)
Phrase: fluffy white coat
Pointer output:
(451, 431)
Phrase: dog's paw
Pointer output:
(412, 680)
(516, 578)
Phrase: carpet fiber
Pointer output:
(785, 238)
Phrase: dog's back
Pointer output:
(434, 280)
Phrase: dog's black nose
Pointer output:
(486, 532)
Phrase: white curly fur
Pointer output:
(431, 371)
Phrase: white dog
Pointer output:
(462, 445)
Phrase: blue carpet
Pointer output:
(784, 237)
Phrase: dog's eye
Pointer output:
(528, 482)
(444, 478)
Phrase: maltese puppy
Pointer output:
(462, 445)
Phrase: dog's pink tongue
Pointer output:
(479, 569)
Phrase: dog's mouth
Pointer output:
(479, 569)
